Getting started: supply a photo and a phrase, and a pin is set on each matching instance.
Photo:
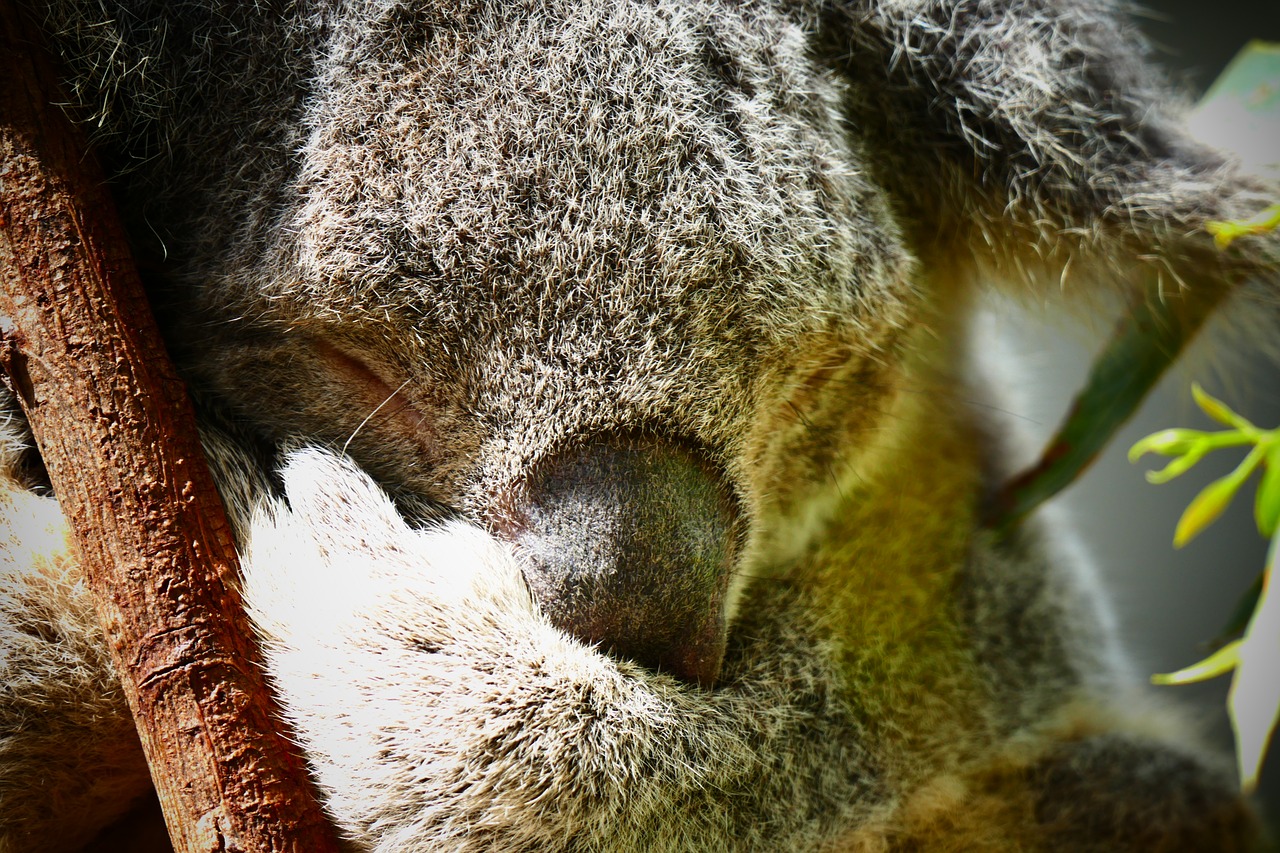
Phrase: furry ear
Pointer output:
(1029, 141)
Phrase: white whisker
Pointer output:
(369, 416)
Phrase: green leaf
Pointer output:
(1243, 611)
(1178, 466)
(1205, 507)
(1218, 410)
(1167, 442)
(1220, 662)
(1254, 701)
(1145, 342)
(1227, 232)
(1266, 506)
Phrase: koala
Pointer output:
(594, 388)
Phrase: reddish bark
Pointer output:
(117, 434)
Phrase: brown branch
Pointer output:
(117, 433)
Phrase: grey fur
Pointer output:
(458, 239)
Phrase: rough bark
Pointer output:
(117, 434)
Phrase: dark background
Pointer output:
(1199, 37)
(1169, 603)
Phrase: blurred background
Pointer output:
(1170, 603)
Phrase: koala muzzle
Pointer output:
(630, 544)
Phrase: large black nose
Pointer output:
(630, 544)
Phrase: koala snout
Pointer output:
(630, 544)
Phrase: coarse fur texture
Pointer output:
(496, 308)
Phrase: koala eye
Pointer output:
(630, 543)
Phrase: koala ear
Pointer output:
(1030, 141)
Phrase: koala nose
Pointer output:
(630, 544)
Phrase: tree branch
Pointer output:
(117, 434)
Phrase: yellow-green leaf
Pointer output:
(1254, 701)
(1220, 662)
(1226, 233)
(1205, 508)
(1266, 506)
(1176, 467)
(1167, 442)
(1216, 409)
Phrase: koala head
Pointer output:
(610, 279)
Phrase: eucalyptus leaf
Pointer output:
(1254, 701)
(1168, 442)
(1205, 507)
(1178, 466)
(1218, 410)
(1221, 662)
(1266, 506)
(1144, 344)
(1242, 612)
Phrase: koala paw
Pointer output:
(339, 564)
(417, 672)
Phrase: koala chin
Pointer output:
(594, 389)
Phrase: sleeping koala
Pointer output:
(593, 387)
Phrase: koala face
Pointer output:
(614, 255)
(645, 326)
